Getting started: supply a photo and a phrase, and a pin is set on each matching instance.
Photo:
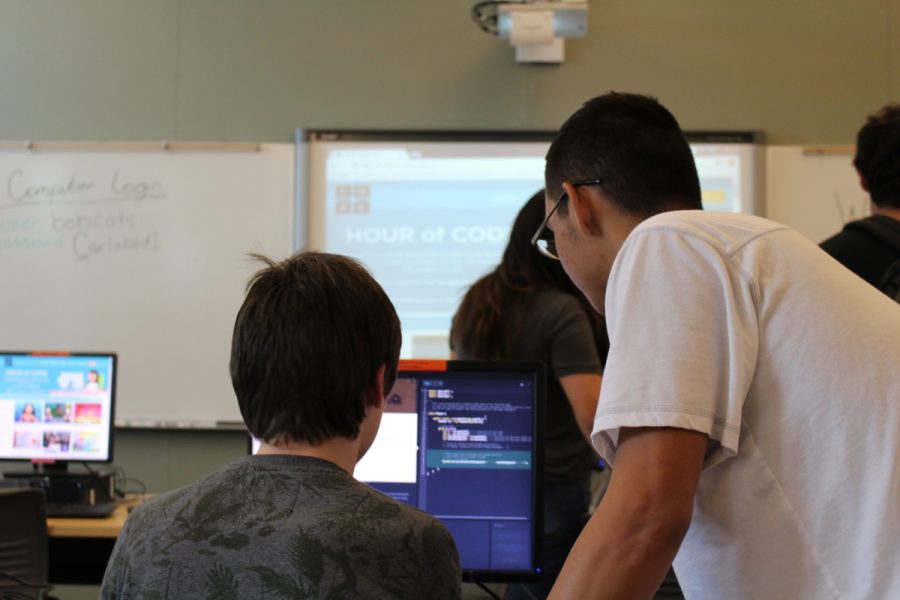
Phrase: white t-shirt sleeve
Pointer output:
(683, 341)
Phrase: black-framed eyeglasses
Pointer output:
(543, 238)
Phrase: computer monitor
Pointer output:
(461, 440)
(57, 407)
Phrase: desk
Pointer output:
(108, 527)
(80, 548)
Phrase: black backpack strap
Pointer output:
(882, 228)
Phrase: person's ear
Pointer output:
(584, 207)
(375, 392)
(862, 182)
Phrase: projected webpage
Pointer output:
(55, 407)
(426, 221)
(429, 218)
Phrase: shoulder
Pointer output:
(386, 517)
(702, 244)
(561, 327)
(555, 300)
(724, 231)
(154, 516)
(556, 312)
(207, 496)
(853, 234)
(384, 510)
(148, 523)
(159, 504)
(434, 548)
(406, 538)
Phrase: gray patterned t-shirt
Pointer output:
(281, 527)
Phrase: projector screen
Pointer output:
(429, 213)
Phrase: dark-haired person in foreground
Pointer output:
(749, 405)
(314, 352)
(870, 246)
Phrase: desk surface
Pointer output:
(108, 527)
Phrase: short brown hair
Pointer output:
(878, 156)
(308, 341)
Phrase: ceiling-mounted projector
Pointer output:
(537, 29)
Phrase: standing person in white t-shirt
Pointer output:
(750, 405)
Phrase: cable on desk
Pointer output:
(99, 484)
(119, 491)
(122, 491)
(489, 591)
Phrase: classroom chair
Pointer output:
(23, 544)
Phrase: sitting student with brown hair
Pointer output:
(315, 350)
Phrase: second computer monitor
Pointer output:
(57, 407)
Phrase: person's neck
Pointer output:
(341, 451)
(888, 211)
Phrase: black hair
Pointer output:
(878, 156)
(308, 342)
(635, 146)
(490, 320)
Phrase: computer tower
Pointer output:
(66, 487)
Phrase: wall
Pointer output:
(804, 71)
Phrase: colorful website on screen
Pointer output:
(55, 407)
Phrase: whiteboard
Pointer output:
(143, 253)
(813, 192)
